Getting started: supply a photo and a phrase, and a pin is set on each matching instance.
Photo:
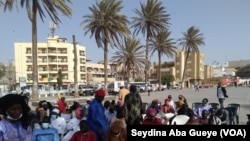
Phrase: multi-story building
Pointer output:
(208, 72)
(194, 72)
(166, 68)
(54, 55)
(95, 73)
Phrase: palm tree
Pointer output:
(107, 25)
(33, 8)
(151, 19)
(190, 42)
(130, 55)
(163, 45)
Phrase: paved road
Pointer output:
(240, 95)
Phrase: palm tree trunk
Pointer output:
(146, 65)
(128, 73)
(159, 70)
(105, 63)
(184, 70)
(35, 95)
(76, 95)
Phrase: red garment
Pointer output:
(62, 106)
(79, 136)
(167, 109)
(150, 121)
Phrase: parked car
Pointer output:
(84, 90)
(174, 87)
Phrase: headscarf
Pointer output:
(133, 88)
(11, 99)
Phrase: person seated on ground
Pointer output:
(204, 120)
(84, 134)
(151, 117)
(116, 132)
(45, 133)
(203, 106)
(166, 107)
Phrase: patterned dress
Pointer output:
(133, 106)
(14, 132)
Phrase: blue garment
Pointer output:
(49, 134)
(14, 132)
(96, 119)
(199, 109)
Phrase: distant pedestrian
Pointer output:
(196, 88)
(149, 89)
(221, 94)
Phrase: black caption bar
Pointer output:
(204, 132)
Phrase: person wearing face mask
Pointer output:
(84, 134)
(73, 124)
(45, 133)
(15, 125)
(58, 122)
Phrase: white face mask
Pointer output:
(11, 118)
(45, 125)
(53, 117)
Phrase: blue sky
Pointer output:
(224, 23)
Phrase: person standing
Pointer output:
(62, 105)
(133, 106)
(149, 89)
(221, 94)
(15, 125)
(122, 93)
(96, 118)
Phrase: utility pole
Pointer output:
(76, 95)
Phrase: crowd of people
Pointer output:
(97, 119)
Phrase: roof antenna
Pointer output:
(52, 27)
